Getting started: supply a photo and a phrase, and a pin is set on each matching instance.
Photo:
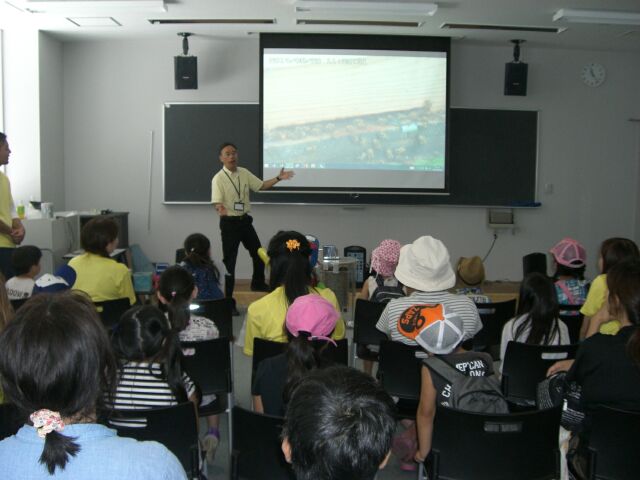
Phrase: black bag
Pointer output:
(383, 294)
(555, 391)
(471, 394)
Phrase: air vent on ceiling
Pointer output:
(213, 21)
(359, 23)
(508, 28)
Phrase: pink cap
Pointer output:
(384, 258)
(570, 253)
(312, 314)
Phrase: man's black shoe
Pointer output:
(259, 287)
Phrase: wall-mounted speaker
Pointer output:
(186, 72)
(515, 78)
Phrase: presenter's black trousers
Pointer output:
(236, 230)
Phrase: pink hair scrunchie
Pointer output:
(45, 421)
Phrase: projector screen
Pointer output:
(372, 118)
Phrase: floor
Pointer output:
(242, 376)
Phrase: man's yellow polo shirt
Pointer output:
(229, 187)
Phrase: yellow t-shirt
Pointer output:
(6, 210)
(265, 318)
(596, 298)
(102, 278)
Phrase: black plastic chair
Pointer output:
(612, 444)
(219, 311)
(534, 262)
(399, 374)
(256, 452)
(16, 304)
(365, 317)
(263, 349)
(573, 322)
(526, 365)
(493, 317)
(476, 446)
(180, 254)
(210, 368)
(175, 427)
(10, 420)
(110, 311)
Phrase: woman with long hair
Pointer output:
(57, 367)
(289, 253)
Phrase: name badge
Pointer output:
(238, 206)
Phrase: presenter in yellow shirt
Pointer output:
(11, 228)
(230, 189)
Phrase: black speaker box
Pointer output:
(186, 72)
(515, 78)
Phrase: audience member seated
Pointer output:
(309, 317)
(60, 281)
(97, 274)
(469, 279)
(440, 335)
(25, 261)
(338, 426)
(198, 263)
(537, 320)
(290, 278)
(570, 257)
(607, 367)
(56, 364)
(176, 289)
(425, 271)
(148, 352)
(382, 286)
(612, 251)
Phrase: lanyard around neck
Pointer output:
(237, 189)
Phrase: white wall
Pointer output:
(51, 122)
(113, 93)
(21, 111)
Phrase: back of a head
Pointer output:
(289, 253)
(141, 334)
(196, 249)
(616, 250)
(176, 287)
(538, 300)
(25, 257)
(339, 425)
(623, 283)
(55, 355)
(97, 233)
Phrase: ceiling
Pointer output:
(532, 13)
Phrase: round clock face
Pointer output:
(593, 74)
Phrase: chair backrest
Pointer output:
(219, 311)
(110, 311)
(399, 369)
(256, 452)
(495, 447)
(10, 420)
(210, 365)
(493, 317)
(180, 254)
(263, 349)
(526, 365)
(175, 427)
(16, 304)
(365, 317)
(572, 320)
(612, 444)
(534, 262)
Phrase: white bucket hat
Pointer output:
(424, 265)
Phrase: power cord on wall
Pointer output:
(495, 237)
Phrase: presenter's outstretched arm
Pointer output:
(283, 175)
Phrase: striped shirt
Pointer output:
(461, 304)
(142, 386)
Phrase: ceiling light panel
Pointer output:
(94, 21)
(365, 8)
(606, 17)
(78, 7)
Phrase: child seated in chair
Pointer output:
(25, 261)
(570, 259)
(198, 262)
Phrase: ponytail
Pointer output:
(176, 286)
(303, 356)
(57, 448)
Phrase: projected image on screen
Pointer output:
(355, 119)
